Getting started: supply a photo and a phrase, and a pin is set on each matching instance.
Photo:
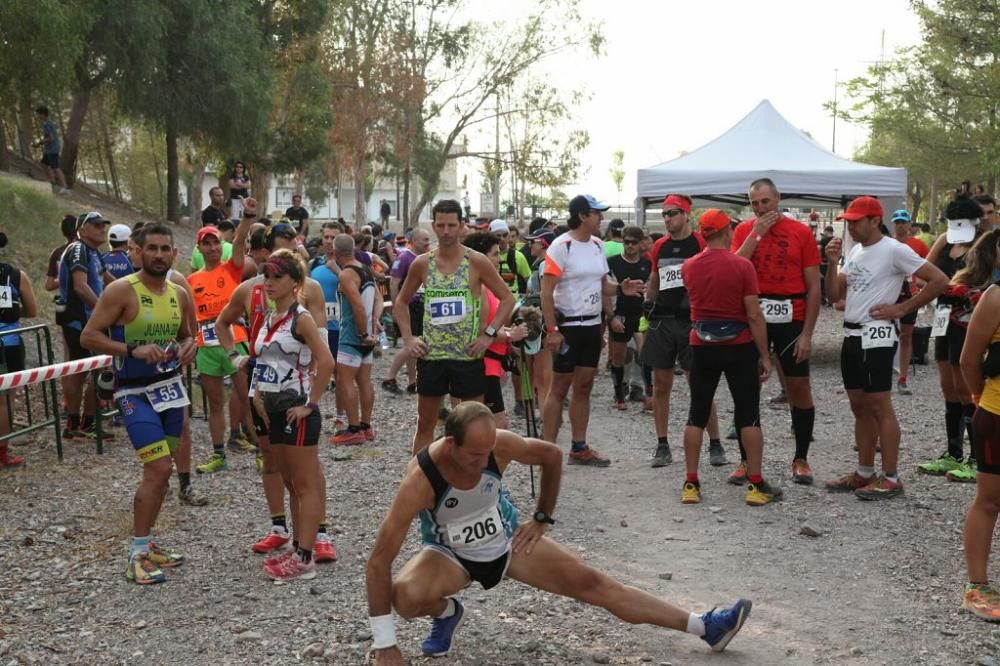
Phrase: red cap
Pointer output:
(677, 201)
(862, 207)
(207, 231)
(712, 221)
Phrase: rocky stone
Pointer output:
(312, 650)
(666, 575)
(249, 637)
(600, 658)
(856, 652)
(810, 530)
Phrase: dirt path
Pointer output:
(881, 585)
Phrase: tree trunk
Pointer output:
(197, 187)
(105, 138)
(25, 129)
(426, 194)
(360, 205)
(4, 151)
(71, 137)
(173, 180)
(404, 211)
(261, 190)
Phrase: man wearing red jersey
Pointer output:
(786, 258)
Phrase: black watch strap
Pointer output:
(542, 517)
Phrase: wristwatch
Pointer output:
(313, 406)
(233, 354)
(490, 331)
(130, 349)
(542, 517)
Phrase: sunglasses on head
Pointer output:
(673, 212)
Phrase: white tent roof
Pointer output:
(764, 144)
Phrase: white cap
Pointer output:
(499, 226)
(961, 231)
(119, 233)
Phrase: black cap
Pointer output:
(93, 217)
(583, 203)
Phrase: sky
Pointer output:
(676, 74)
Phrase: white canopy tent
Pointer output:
(764, 144)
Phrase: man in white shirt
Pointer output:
(872, 273)
(575, 291)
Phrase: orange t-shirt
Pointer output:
(781, 258)
(917, 246)
(212, 291)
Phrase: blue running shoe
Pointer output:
(439, 642)
(722, 625)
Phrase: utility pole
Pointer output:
(496, 163)
(835, 82)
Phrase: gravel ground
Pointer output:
(880, 585)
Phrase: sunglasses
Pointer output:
(628, 241)
(673, 212)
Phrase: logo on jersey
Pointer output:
(487, 488)
(146, 300)
(451, 502)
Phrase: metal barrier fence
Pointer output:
(42, 356)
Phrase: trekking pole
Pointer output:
(529, 410)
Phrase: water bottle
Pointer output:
(383, 341)
(169, 361)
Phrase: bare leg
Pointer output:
(149, 496)
(980, 522)
(427, 415)
(579, 406)
(552, 568)
(553, 406)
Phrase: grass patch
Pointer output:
(31, 222)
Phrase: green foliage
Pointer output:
(39, 39)
(617, 169)
(933, 107)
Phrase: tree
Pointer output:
(204, 86)
(617, 171)
(933, 108)
(456, 76)
(38, 38)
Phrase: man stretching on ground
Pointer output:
(471, 532)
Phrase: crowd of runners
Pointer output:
(272, 322)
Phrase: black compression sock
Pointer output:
(279, 520)
(953, 422)
(803, 421)
(185, 480)
(618, 375)
(967, 412)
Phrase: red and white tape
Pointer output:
(47, 372)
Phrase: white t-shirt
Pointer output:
(874, 275)
(581, 268)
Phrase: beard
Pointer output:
(157, 270)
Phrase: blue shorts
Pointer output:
(154, 434)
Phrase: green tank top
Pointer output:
(451, 314)
(157, 322)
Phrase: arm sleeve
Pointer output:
(750, 285)
(740, 234)
(810, 250)
(78, 259)
(905, 260)
(555, 259)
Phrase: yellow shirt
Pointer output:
(990, 400)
